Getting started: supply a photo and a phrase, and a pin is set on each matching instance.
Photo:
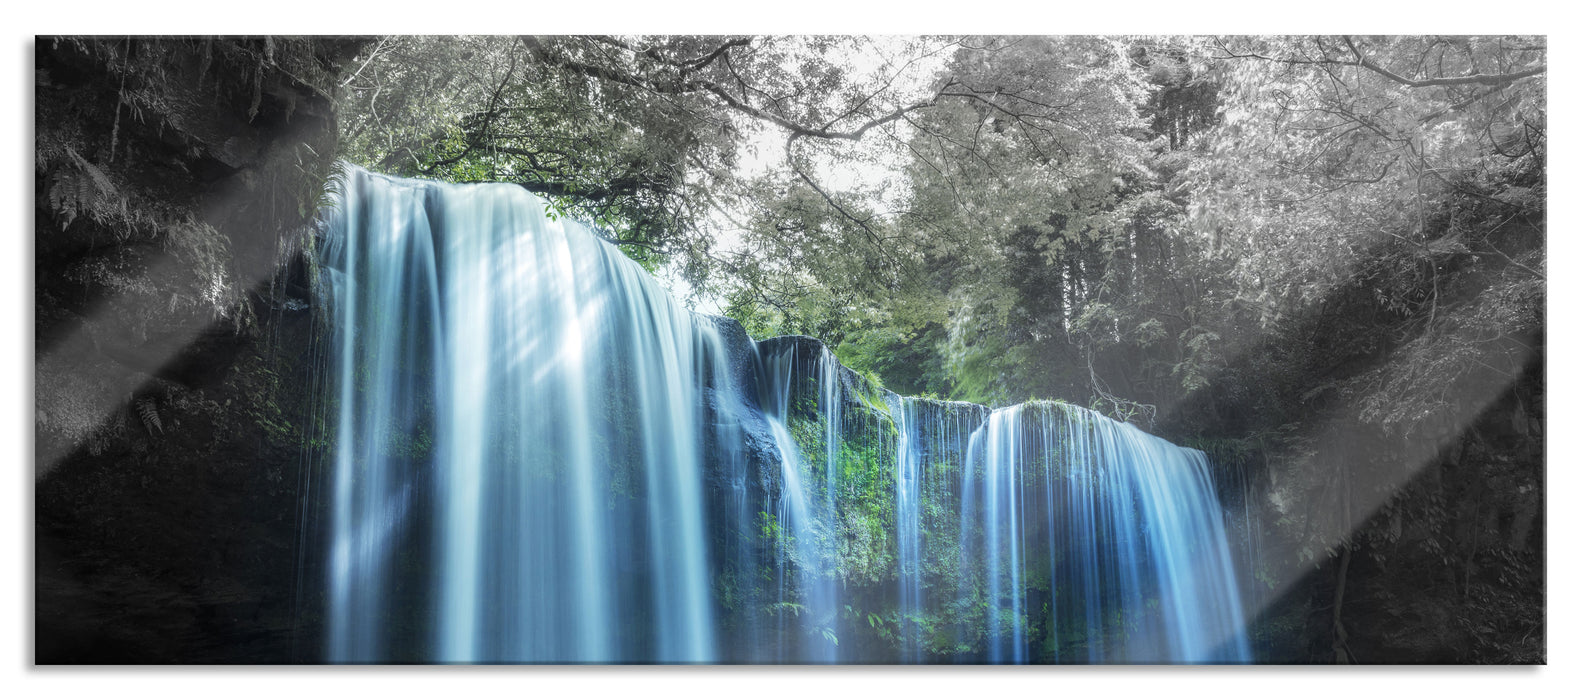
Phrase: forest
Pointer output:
(1318, 260)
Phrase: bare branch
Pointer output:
(1473, 79)
(1364, 62)
(873, 236)
(543, 54)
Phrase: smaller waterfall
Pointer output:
(1134, 565)
(1001, 514)
(831, 395)
(802, 541)
(908, 532)
(931, 448)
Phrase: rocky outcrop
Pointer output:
(174, 181)
(174, 399)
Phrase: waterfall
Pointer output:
(536, 455)
(931, 445)
(908, 535)
(1134, 566)
(831, 395)
(539, 397)
(803, 541)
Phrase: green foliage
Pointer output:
(1246, 240)
(565, 118)
(80, 188)
(1330, 146)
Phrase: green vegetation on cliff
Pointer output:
(1320, 259)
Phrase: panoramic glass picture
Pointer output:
(790, 350)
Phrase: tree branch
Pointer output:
(873, 236)
(1472, 79)
(542, 53)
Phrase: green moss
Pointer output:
(870, 391)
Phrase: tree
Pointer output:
(640, 136)
(1334, 144)
(1019, 155)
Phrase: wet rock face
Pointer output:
(173, 390)
(1457, 574)
(174, 181)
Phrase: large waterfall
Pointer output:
(534, 454)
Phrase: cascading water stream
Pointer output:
(1135, 564)
(830, 397)
(908, 532)
(541, 396)
(931, 445)
(796, 521)
(537, 455)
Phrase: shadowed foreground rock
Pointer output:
(174, 179)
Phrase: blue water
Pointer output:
(1135, 565)
(806, 546)
(543, 394)
(932, 438)
(539, 456)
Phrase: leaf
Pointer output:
(149, 413)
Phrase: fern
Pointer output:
(207, 253)
(149, 412)
(333, 185)
(82, 189)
